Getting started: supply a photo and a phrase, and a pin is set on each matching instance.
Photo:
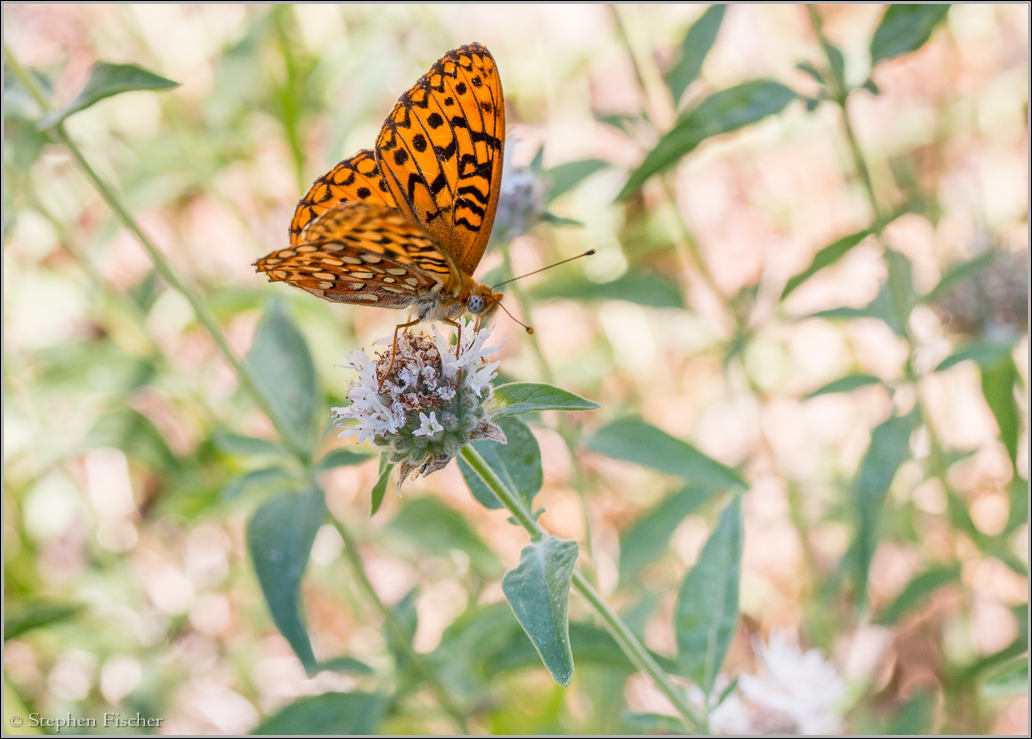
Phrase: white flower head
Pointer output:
(430, 405)
(798, 691)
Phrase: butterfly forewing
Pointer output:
(353, 180)
(362, 253)
(440, 152)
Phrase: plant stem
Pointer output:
(201, 310)
(417, 660)
(625, 638)
(840, 93)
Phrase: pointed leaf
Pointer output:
(644, 288)
(283, 368)
(958, 273)
(695, 45)
(649, 535)
(347, 664)
(255, 479)
(105, 80)
(917, 591)
(825, 257)
(528, 397)
(517, 464)
(279, 539)
(329, 713)
(722, 112)
(380, 488)
(845, 384)
(564, 177)
(232, 443)
(538, 590)
(707, 603)
(634, 440)
(341, 458)
(999, 380)
(905, 28)
(983, 353)
(25, 617)
(888, 449)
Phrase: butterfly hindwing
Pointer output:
(362, 253)
(356, 179)
(440, 152)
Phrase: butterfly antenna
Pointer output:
(588, 253)
(529, 329)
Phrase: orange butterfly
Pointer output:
(405, 226)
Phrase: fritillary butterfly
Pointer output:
(405, 225)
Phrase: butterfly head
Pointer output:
(482, 302)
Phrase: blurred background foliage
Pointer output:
(836, 306)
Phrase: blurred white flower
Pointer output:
(797, 692)
(430, 405)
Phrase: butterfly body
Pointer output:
(405, 225)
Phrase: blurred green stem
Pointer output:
(840, 93)
(204, 315)
(625, 638)
(418, 662)
(687, 250)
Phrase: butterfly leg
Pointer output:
(458, 335)
(394, 349)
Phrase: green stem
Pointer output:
(201, 310)
(625, 638)
(840, 94)
(396, 629)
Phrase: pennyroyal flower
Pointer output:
(430, 405)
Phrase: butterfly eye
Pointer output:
(475, 304)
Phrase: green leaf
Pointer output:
(231, 443)
(917, 591)
(900, 289)
(590, 644)
(983, 353)
(564, 177)
(905, 28)
(633, 440)
(25, 617)
(888, 449)
(329, 713)
(845, 384)
(538, 590)
(998, 382)
(958, 273)
(697, 42)
(105, 80)
(528, 397)
(347, 664)
(279, 539)
(380, 488)
(517, 463)
(913, 717)
(653, 723)
(135, 434)
(407, 617)
(1006, 679)
(431, 527)
(647, 537)
(283, 368)
(824, 258)
(644, 288)
(259, 478)
(707, 603)
(341, 458)
(722, 112)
